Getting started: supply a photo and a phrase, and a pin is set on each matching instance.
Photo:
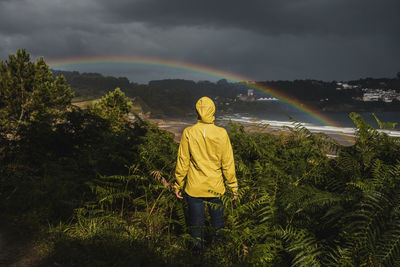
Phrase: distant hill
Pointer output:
(176, 97)
(92, 85)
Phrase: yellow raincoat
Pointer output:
(205, 156)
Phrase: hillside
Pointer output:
(176, 97)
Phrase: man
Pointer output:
(204, 157)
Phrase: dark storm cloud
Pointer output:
(285, 39)
(50, 27)
(266, 16)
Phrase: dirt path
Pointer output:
(3, 250)
(14, 253)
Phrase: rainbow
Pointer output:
(213, 72)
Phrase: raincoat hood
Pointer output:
(205, 109)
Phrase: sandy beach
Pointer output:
(177, 126)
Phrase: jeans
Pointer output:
(196, 218)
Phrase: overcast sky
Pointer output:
(261, 40)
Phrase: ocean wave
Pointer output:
(309, 126)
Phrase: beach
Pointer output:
(176, 126)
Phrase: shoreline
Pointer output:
(177, 126)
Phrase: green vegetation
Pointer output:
(93, 188)
(29, 94)
(176, 97)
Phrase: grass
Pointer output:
(84, 102)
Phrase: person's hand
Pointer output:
(178, 194)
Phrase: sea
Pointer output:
(341, 122)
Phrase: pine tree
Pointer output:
(29, 93)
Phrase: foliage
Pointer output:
(96, 188)
(113, 107)
(176, 97)
(29, 93)
(385, 125)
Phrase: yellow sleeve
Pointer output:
(228, 165)
(182, 162)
